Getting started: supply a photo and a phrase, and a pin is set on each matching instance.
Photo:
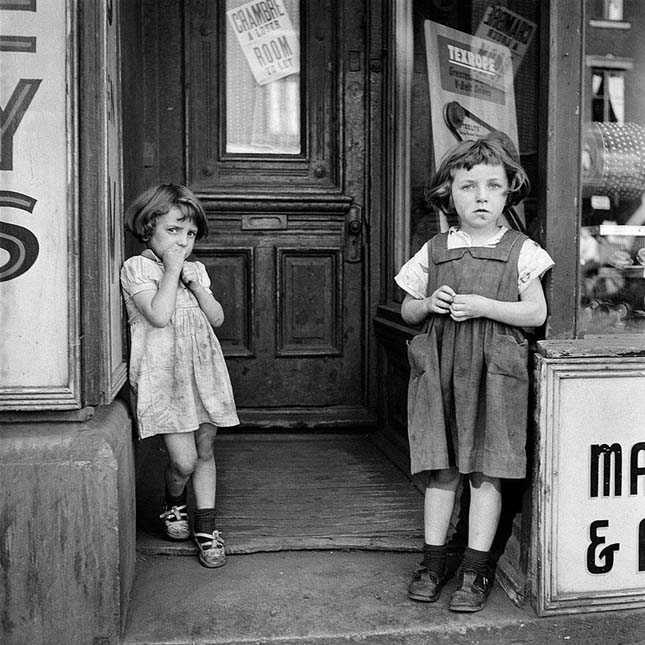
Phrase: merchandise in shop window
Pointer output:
(612, 236)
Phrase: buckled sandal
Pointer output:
(175, 522)
(211, 549)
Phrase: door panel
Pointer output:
(292, 334)
(308, 301)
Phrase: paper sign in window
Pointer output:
(268, 40)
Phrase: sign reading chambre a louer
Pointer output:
(36, 330)
(267, 38)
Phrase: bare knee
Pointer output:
(444, 477)
(205, 442)
(477, 480)
(183, 467)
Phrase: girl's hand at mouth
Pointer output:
(173, 258)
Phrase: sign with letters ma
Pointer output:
(591, 484)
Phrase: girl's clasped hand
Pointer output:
(189, 276)
(441, 300)
(458, 306)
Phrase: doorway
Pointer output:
(270, 113)
(290, 174)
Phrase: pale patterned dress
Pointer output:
(177, 373)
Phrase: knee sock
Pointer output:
(434, 559)
(175, 500)
(204, 521)
(476, 561)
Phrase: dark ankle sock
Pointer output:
(434, 558)
(204, 520)
(477, 561)
(175, 500)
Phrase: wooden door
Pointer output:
(288, 218)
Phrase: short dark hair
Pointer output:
(141, 216)
(492, 151)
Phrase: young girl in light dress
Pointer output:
(180, 384)
(475, 287)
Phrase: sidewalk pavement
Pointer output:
(336, 597)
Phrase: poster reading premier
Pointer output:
(471, 87)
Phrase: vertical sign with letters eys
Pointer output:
(38, 291)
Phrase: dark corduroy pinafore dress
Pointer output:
(467, 397)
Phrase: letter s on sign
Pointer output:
(19, 242)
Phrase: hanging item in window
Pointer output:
(508, 28)
(613, 160)
(267, 38)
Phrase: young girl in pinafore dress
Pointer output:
(178, 377)
(475, 286)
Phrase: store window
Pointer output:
(613, 9)
(468, 69)
(612, 233)
(607, 95)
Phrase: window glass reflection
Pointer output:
(263, 90)
(612, 234)
(475, 70)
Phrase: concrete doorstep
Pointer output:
(328, 597)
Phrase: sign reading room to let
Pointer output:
(267, 38)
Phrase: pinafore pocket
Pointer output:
(420, 349)
(508, 356)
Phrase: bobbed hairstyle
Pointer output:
(142, 215)
(494, 150)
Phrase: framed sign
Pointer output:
(589, 517)
(61, 241)
(39, 295)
